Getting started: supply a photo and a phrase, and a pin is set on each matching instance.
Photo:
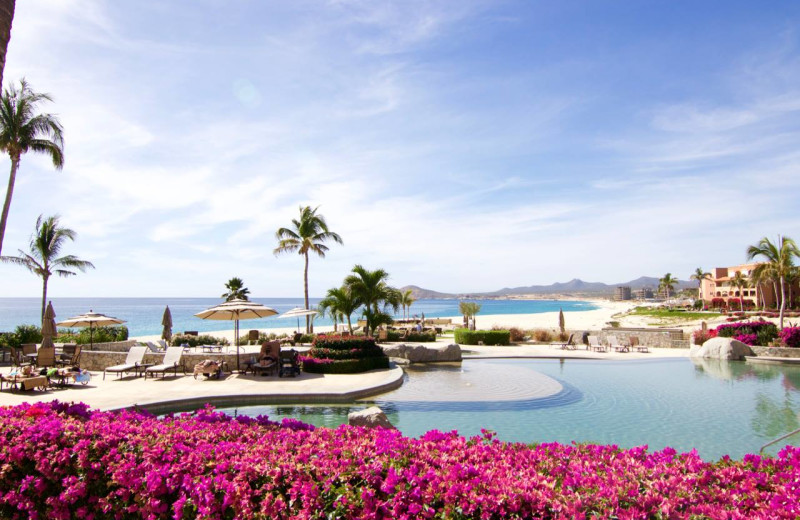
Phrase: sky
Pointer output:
(461, 145)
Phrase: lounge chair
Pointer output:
(569, 344)
(635, 344)
(268, 358)
(289, 364)
(70, 356)
(132, 363)
(46, 357)
(171, 361)
(614, 343)
(383, 335)
(153, 347)
(594, 344)
(17, 359)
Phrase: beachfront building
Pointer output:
(644, 293)
(622, 293)
(719, 286)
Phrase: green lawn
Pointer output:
(673, 314)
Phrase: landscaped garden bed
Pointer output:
(64, 461)
(343, 355)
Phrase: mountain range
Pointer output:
(572, 287)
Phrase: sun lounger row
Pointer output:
(134, 362)
(613, 343)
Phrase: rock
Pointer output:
(721, 348)
(423, 353)
(372, 417)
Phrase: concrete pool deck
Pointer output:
(186, 392)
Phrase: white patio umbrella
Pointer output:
(236, 310)
(297, 312)
(91, 320)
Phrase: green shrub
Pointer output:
(97, 335)
(28, 334)
(419, 337)
(487, 337)
(193, 341)
(343, 355)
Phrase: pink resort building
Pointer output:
(720, 286)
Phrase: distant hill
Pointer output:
(574, 286)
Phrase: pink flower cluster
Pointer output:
(60, 461)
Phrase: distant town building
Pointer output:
(719, 286)
(622, 293)
(644, 293)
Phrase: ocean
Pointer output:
(143, 315)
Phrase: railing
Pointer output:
(779, 439)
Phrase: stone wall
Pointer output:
(657, 338)
(116, 346)
(783, 352)
(99, 360)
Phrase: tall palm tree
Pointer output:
(759, 279)
(22, 130)
(45, 246)
(668, 283)
(309, 233)
(236, 290)
(6, 17)
(779, 260)
(340, 301)
(791, 279)
(406, 300)
(699, 275)
(371, 290)
(740, 281)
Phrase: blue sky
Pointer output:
(461, 145)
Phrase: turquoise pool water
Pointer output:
(717, 408)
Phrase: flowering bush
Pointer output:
(747, 339)
(764, 331)
(700, 336)
(717, 303)
(343, 355)
(791, 336)
(64, 461)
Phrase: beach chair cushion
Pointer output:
(132, 360)
(171, 359)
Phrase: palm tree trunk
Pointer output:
(349, 325)
(6, 17)
(44, 295)
(305, 290)
(7, 204)
(741, 299)
(775, 288)
(783, 301)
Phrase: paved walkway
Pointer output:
(186, 392)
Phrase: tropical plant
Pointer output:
(469, 310)
(22, 130)
(699, 275)
(339, 302)
(370, 289)
(406, 300)
(236, 290)
(42, 259)
(779, 261)
(667, 284)
(6, 17)
(740, 281)
(307, 234)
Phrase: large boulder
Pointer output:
(721, 348)
(423, 353)
(372, 417)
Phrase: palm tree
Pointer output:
(23, 130)
(236, 290)
(309, 233)
(700, 275)
(779, 261)
(340, 302)
(791, 280)
(6, 17)
(740, 281)
(406, 299)
(759, 280)
(668, 284)
(370, 289)
(469, 310)
(43, 260)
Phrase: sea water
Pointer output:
(143, 315)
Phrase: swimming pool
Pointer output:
(715, 407)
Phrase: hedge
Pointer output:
(344, 342)
(331, 354)
(487, 337)
(750, 332)
(193, 341)
(419, 337)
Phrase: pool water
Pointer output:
(715, 407)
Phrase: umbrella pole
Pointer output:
(236, 342)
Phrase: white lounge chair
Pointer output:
(131, 364)
(171, 361)
(594, 344)
(153, 347)
(614, 343)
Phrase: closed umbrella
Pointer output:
(49, 326)
(91, 320)
(236, 310)
(166, 322)
(296, 313)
